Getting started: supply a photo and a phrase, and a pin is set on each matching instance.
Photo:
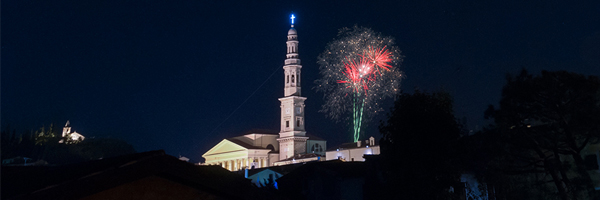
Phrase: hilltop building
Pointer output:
(74, 136)
(291, 145)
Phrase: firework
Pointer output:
(358, 70)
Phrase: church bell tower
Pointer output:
(292, 135)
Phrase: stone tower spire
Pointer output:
(292, 65)
(292, 135)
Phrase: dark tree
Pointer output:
(543, 124)
(417, 144)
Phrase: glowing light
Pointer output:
(357, 70)
(292, 17)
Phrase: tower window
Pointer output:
(288, 78)
(298, 79)
(298, 123)
(287, 124)
(292, 78)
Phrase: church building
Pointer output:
(73, 136)
(291, 145)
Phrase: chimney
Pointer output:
(358, 143)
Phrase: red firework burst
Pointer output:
(380, 57)
(358, 74)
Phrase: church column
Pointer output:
(260, 162)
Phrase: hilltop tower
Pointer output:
(292, 135)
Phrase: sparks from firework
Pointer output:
(358, 70)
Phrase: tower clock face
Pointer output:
(298, 110)
(287, 111)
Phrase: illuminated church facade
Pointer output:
(291, 145)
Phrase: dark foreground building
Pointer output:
(325, 180)
(148, 175)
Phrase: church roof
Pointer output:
(262, 131)
(245, 145)
(292, 31)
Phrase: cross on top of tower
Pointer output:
(292, 17)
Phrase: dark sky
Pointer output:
(165, 74)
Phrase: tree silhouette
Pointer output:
(546, 121)
(417, 144)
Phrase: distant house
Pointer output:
(148, 175)
(353, 151)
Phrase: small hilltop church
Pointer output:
(291, 145)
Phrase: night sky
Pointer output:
(169, 74)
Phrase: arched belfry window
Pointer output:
(288, 78)
(292, 78)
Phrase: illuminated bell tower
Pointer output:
(292, 135)
(66, 129)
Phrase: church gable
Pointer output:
(224, 147)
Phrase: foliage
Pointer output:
(43, 136)
(418, 140)
(541, 127)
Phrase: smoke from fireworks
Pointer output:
(358, 69)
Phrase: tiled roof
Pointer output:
(83, 179)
